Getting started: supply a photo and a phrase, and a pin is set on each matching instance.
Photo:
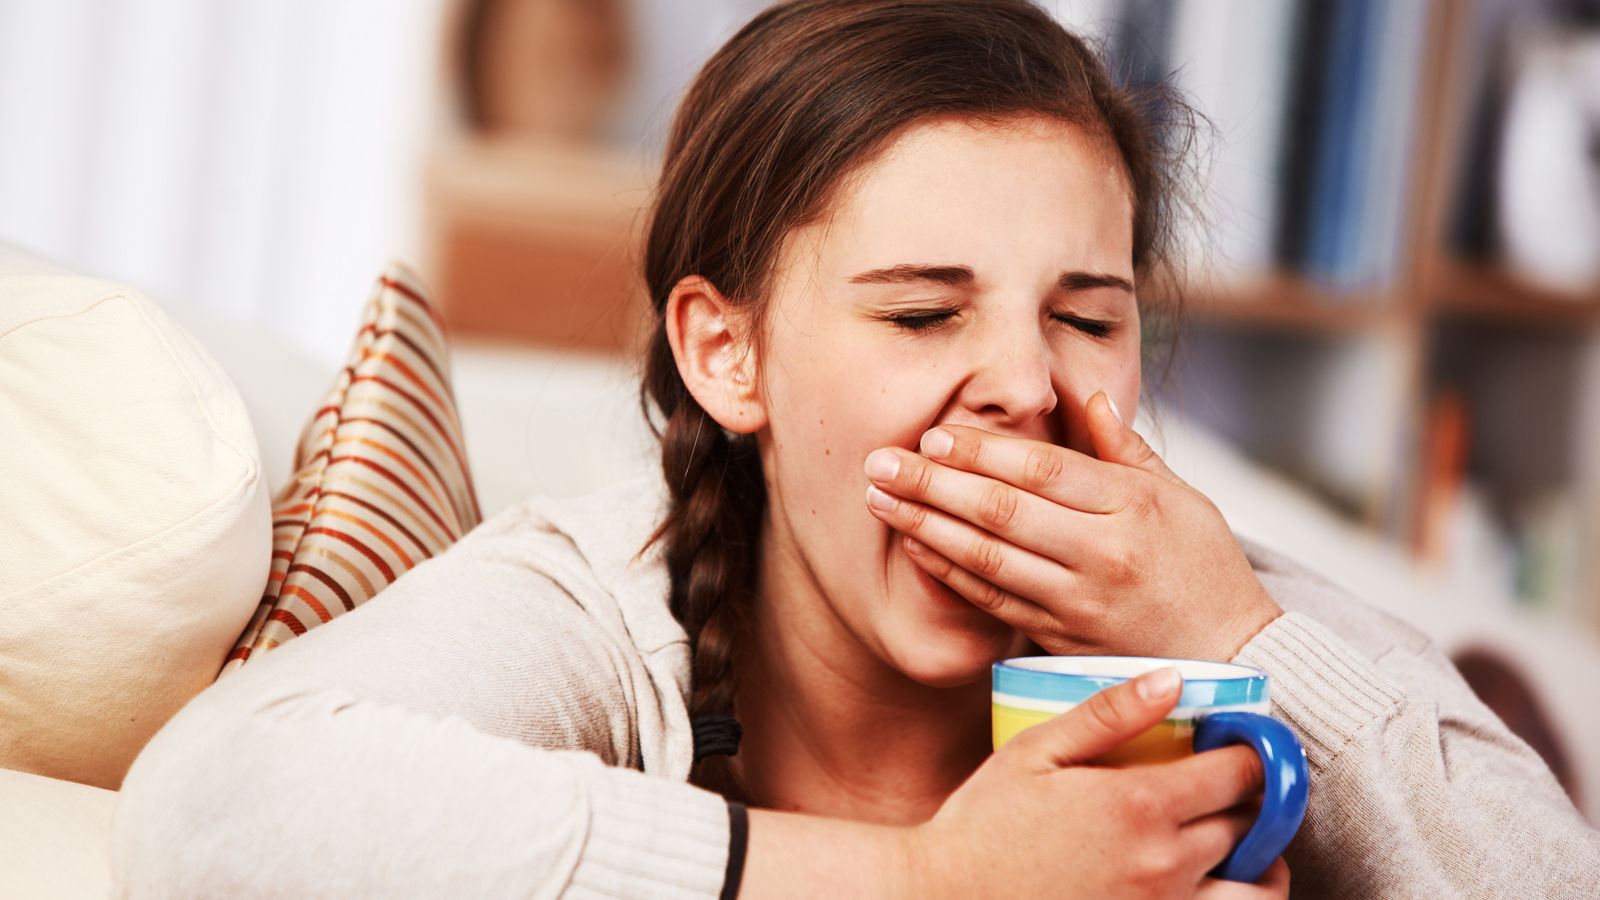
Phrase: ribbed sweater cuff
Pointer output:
(1321, 687)
(651, 837)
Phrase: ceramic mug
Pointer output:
(1221, 704)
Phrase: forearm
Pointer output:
(796, 855)
(1415, 787)
(326, 795)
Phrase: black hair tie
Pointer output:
(715, 736)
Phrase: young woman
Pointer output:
(896, 255)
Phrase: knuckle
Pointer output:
(1157, 862)
(937, 566)
(921, 479)
(997, 506)
(1139, 807)
(988, 597)
(1142, 502)
(1041, 468)
(984, 557)
(1102, 715)
(1150, 809)
(1143, 453)
(1122, 566)
(914, 516)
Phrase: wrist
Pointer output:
(1237, 623)
(792, 854)
(1264, 612)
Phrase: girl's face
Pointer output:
(973, 273)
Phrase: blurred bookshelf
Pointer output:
(1490, 292)
(1471, 381)
(1285, 300)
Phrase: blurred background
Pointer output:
(1388, 363)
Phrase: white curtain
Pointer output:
(262, 159)
(258, 158)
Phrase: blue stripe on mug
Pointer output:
(1205, 683)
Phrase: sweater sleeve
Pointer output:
(465, 733)
(1417, 789)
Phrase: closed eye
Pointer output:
(1091, 327)
(920, 319)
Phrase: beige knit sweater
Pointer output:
(478, 730)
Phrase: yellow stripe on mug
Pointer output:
(1221, 703)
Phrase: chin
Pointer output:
(949, 655)
(943, 641)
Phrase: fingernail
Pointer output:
(1114, 411)
(882, 465)
(916, 547)
(938, 443)
(1158, 684)
(879, 500)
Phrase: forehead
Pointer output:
(931, 191)
(926, 154)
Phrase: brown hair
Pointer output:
(804, 94)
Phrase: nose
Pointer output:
(1011, 384)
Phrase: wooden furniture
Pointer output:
(1484, 387)
(532, 217)
(537, 240)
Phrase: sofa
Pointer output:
(147, 450)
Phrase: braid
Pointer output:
(775, 121)
(709, 538)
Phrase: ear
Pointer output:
(711, 340)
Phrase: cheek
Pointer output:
(1124, 390)
(827, 419)
(1118, 374)
(842, 409)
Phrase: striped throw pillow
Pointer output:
(381, 479)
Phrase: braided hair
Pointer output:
(806, 93)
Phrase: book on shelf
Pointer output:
(1350, 127)
(1380, 236)
(1232, 59)
(1359, 176)
(1482, 82)
(1344, 137)
(1303, 131)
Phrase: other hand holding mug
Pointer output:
(1221, 704)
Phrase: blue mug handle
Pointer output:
(1283, 804)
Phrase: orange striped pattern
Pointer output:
(381, 479)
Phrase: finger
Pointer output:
(995, 560)
(1115, 442)
(1210, 782)
(1067, 477)
(1208, 839)
(993, 506)
(1276, 878)
(1014, 610)
(1106, 720)
(1273, 883)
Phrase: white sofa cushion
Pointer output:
(53, 838)
(135, 538)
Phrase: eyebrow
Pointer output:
(955, 276)
(962, 276)
(1085, 281)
